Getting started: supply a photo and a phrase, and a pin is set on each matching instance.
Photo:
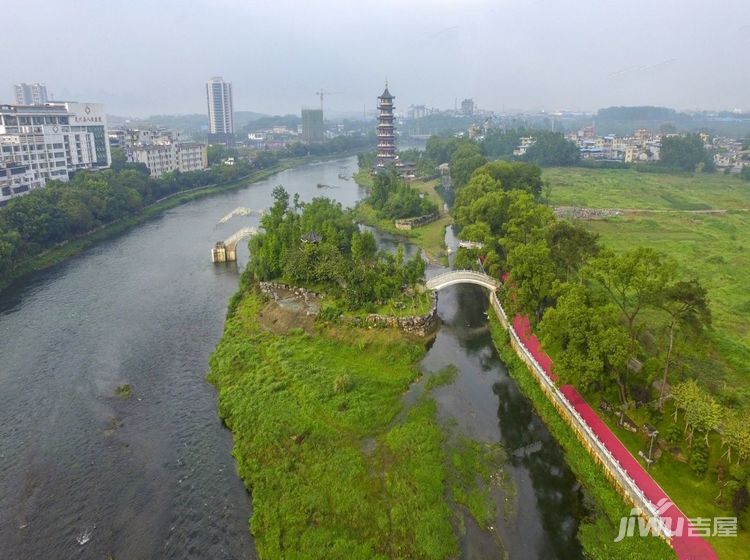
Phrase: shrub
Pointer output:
(699, 458)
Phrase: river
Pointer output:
(85, 474)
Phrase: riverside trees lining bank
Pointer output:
(49, 225)
(610, 321)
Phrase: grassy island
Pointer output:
(338, 465)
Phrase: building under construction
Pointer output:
(386, 132)
(313, 129)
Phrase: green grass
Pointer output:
(445, 376)
(715, 248)
(597, 532)
(335, 471)
(628, 188)
(428, 187)
(473, 465)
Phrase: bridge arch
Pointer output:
(462, 277)
(226, 251)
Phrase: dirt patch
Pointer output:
(280, 320)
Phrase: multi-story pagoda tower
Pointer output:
(386, 137)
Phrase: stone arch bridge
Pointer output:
(226, 251)
(462, 277)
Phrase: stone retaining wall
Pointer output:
(421, 325)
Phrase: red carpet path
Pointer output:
(686, 547)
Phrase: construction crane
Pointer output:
(323, 93)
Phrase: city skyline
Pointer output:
(577, 56)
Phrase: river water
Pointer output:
(85, 474)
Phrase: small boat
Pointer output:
(323, 186)
(344, 177)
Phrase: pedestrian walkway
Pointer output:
(685, 545)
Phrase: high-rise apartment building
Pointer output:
(31, 94)
(50, 141)
(313, 129)
(220, 111)
(467, 107)
(386, 135)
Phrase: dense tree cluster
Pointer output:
(552, 149)
(318, 244)
(614, 323)
(394, 198)
(686, 153)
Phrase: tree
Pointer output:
(464, 161)
(631, 280)
(588, 341)
(364, 247)
(571, 245)
(532, 279)
(527, 221)
(702, 412)
(735, 435)
(686, 306)
(514, 175)
(684, 152)
(551, 148)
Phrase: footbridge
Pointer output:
(226, 251)
(462, 277)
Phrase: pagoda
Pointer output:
(386, 139)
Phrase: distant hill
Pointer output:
(624, 120)
(187, 123)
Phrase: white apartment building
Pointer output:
(161, 151)
(53, 140)
(191, 156)
(31, 94)
(220, 110)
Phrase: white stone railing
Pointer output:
(611, 464)
(462, 277)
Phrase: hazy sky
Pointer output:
(143, 57)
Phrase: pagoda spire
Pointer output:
(386, 131)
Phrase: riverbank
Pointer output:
(71, 248)
(337, 464)
(430, 237)
(597, 533)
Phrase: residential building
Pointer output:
(416, 111)
(526, 143)
(220, 111)
(313, 128)
(159, 158)
(467, 107)
(386, 154)
(191, 156)
(162, 151)
(31, 94)
(52, 140)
